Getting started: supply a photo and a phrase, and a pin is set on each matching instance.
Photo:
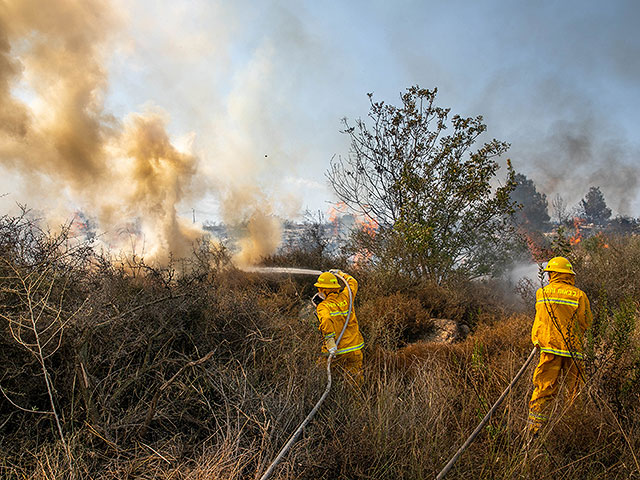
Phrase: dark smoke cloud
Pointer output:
(576, 156)
(566, 100)
(568, 144)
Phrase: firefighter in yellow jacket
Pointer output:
(563, 315)
(332, 307)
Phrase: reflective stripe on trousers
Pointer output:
(547, 380)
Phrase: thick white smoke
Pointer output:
(59, 140)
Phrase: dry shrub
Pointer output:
(507, 334)
(396, 314)
(393, 320)
(412, 358)
(420, 403)
(282, 296)
(140, 397)
(608, 268)
(145, 355)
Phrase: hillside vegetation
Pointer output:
(113, 369)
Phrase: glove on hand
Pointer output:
(331, 346)
(317, 299)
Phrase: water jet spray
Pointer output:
(281, 270)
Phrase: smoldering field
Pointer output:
(70, 143)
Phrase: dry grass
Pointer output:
(198, 371)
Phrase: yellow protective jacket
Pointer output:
(563, 315)
(332, 313)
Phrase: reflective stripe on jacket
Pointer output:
(332, 313)
(563, 315)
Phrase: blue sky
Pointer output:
(259, 88)
(544, 75)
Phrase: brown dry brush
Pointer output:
(139, 366)
(419, 404)
(198, 371)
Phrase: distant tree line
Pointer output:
(532, 212)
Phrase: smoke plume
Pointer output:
(247, 210)
(56, 134)
(577, 156)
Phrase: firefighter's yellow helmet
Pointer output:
(560, 265)
(327, 280)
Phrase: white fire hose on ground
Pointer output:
(486, 418)
(312, 413)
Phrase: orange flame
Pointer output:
(577, 238)
(368, 224)
(361, 259)
(79, 226)
(602, 239)
(535, 241)
(363, 221)
(335, 211)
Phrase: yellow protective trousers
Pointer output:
(548, 376)
(348, 365)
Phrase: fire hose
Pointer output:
(312, 413)
(486, 418)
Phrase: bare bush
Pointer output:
(197, 370)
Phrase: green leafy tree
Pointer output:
(532, 213)
(434, 197)
(594, 207)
